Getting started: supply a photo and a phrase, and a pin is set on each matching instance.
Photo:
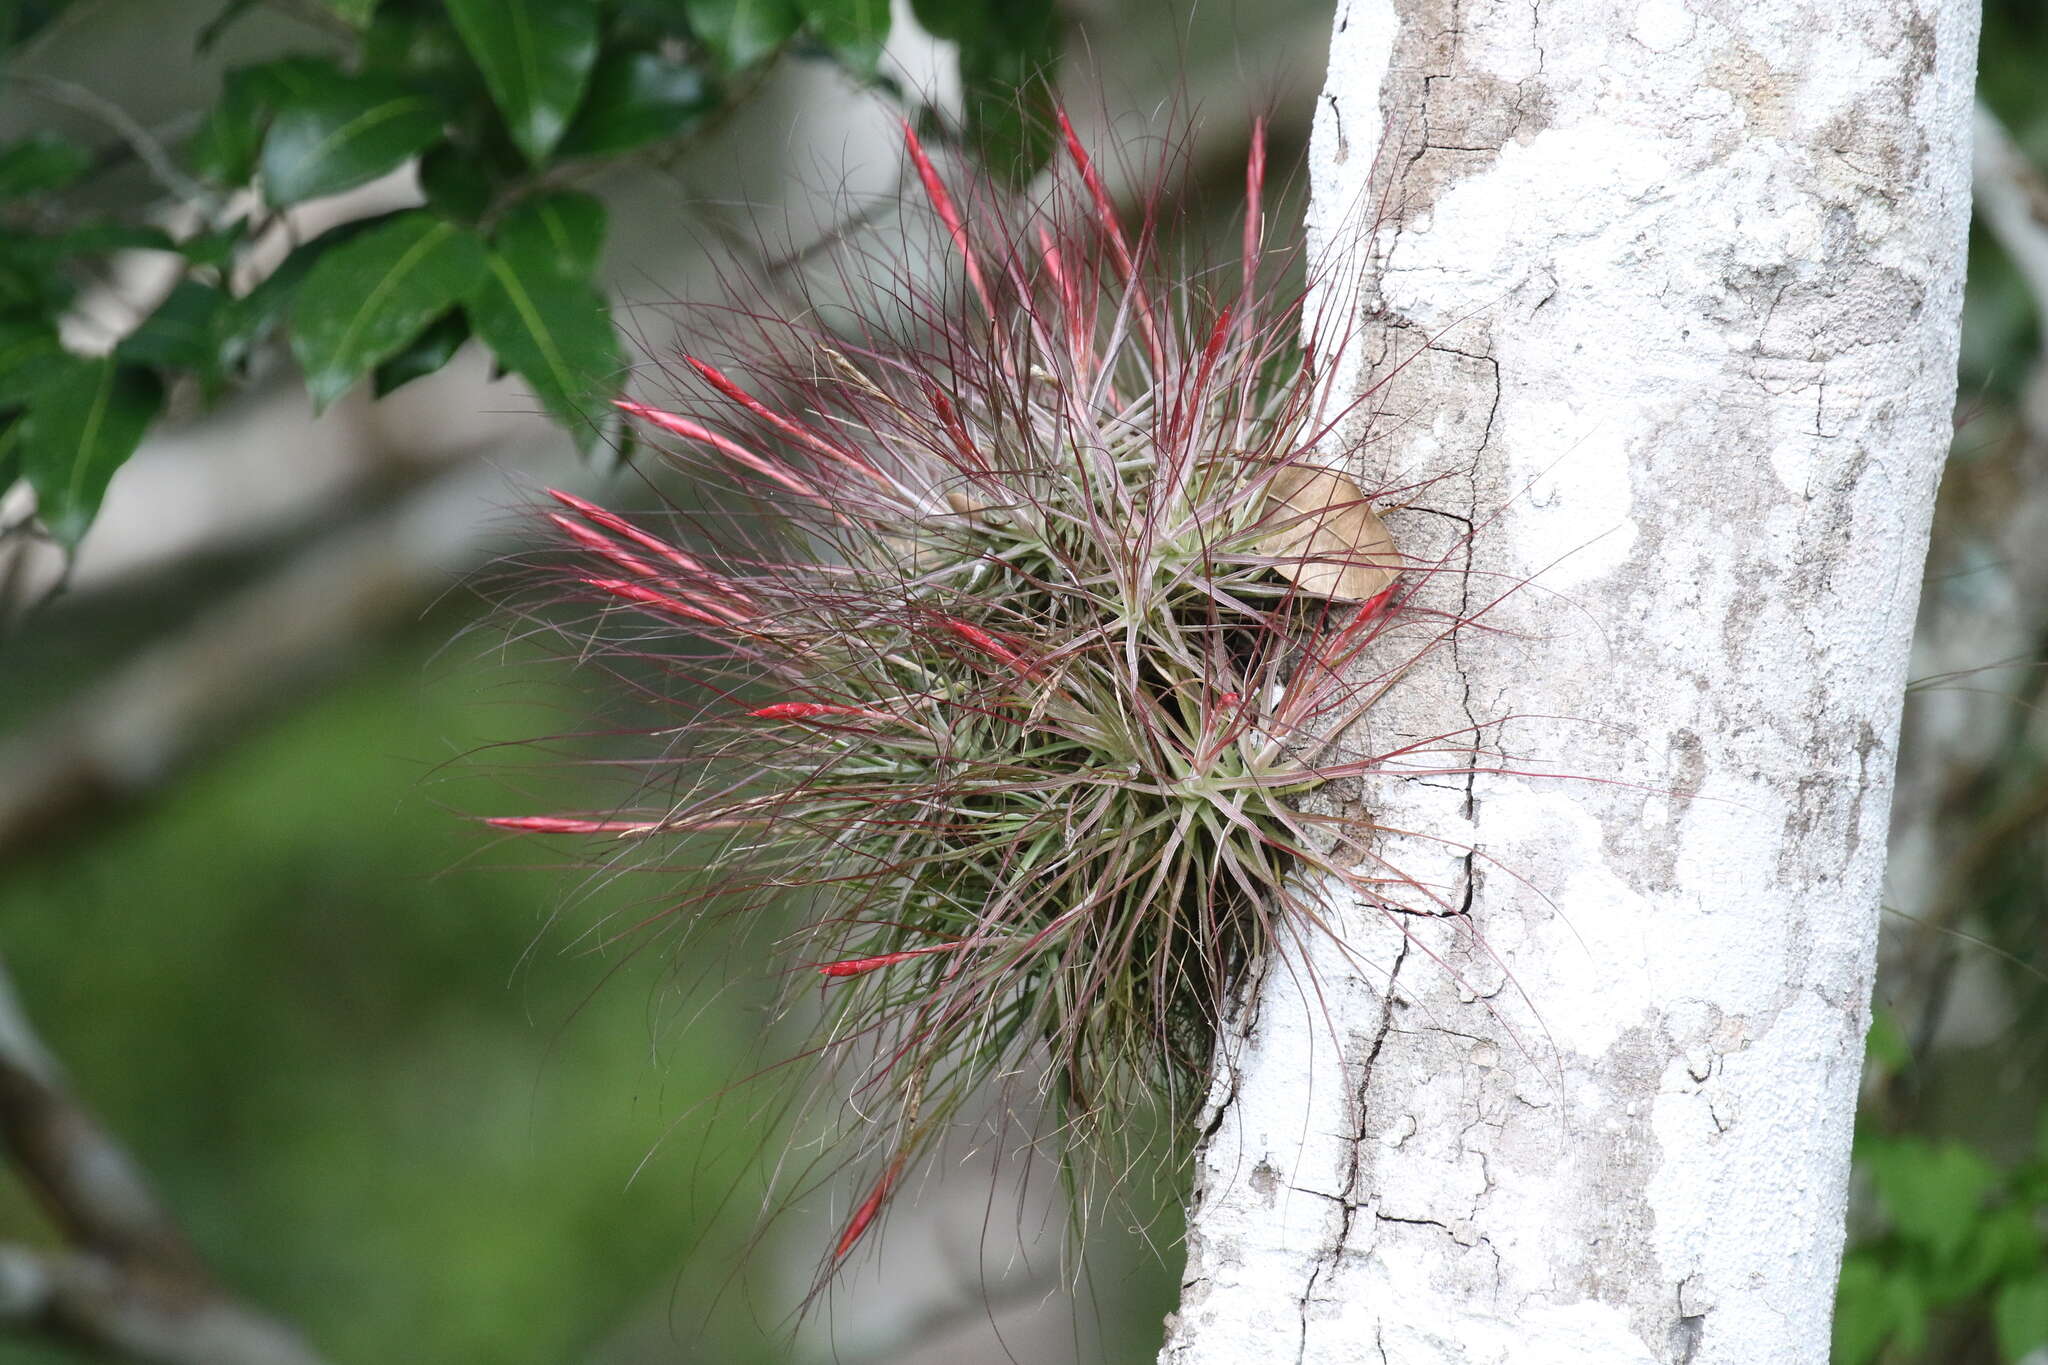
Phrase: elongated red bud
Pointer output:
(571, 824)
(858, 966)
(869, 1207)
(987, 643)
(814, 710)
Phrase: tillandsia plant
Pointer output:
(1031, 618)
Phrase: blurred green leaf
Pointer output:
(536, 55)
(85, 419)
(92, 239)
(11, 425)
(1934, 1194)
(39, 163)
(555, 332)
(456, 182)
(225, 146)
(637, 98)
(423, 355)
(184, 333)
(28, 282)
(334, 136)
(2021, 1315)
(215, 249)
(251, 318)
(854, 29)
(1863, 1312)
(357, 12)
(740, 33)
(562, 232)
(364, 301)
(29, 350)
(1009, 53)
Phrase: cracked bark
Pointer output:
(1668, 291)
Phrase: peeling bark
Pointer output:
(1669, 292)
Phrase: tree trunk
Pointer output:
(1669, 295)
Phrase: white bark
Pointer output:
(1678, 283)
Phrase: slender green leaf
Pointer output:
(637, 98)
(854, 29)
(536, 57)
(424, 354)
(333, 137)
(741, 32)
(39, 163)
(85, 420)
(184, 333)
(555, 332)
(563, 232)
(364, 301)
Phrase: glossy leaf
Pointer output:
(423, 355)
(183, 333)
(39, 163)
(456, 183)
(29, 350)
(225, 146)
(361, 303)
(637, 98)
(740, 33)
(250, 319)
(85, 420)
(854, 29)
(536, 56)
(563, 232)
(555, 332)
(335, 136)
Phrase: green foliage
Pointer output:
(488, 99)
(362, 304)
(1959, 1237)
(85, 419)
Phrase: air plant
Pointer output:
(1033, 617)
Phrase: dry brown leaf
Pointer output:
(1333, 543)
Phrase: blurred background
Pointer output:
(390, 1075)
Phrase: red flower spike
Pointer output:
(869, 1207)
(1126, 264)
(1254, 214)
(988, 644)
(942, 204)
(570, 824)
(619, 526)
(651, 597)
(696, 431)
(597, 544)
(813, 710)
(857, 966)
(802, 436)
